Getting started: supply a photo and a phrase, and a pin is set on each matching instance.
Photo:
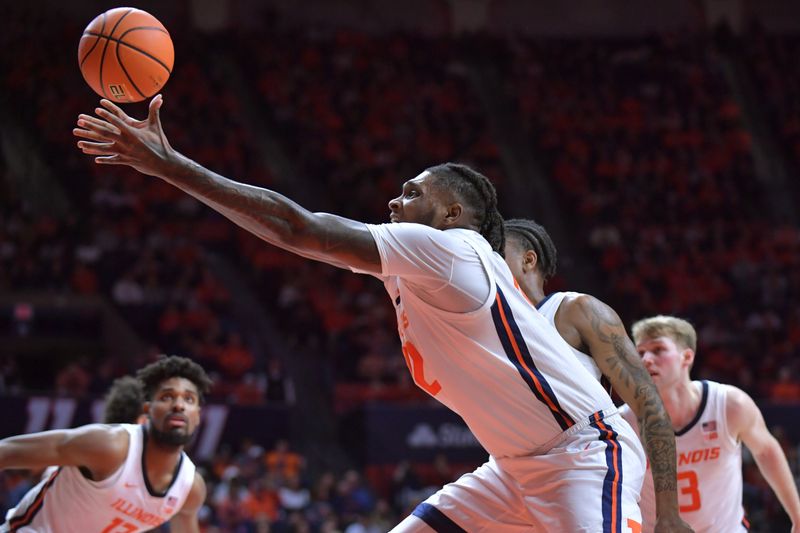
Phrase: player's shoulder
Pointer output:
(735, 398)
(113, 438)
(103, 432)
(579, 306)
(412, 233)
(197, 493)
(741, 411)
(580, 300)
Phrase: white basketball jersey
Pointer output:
(709, 469)
(549, 307)
(67, 502)
(502, 367)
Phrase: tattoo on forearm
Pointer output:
(654, 422)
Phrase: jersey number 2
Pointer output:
(118, 525)
(691, 489)
(417, 367)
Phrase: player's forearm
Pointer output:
(659, 443)
(773, 466)
(25, 451)
(266, 214)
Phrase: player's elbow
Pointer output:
(766, 451)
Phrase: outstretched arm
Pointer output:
(604, 335)
(117, 139)
(185, 520)
(746, 422)
(100, 448)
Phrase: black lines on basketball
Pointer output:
(103, 27)
(143, 52)
(127, 74)
(105, 49)
(125, 54)
(136, 48)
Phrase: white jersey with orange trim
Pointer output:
(709, 468)
(472, 340)
(549, 307)
(66, 501)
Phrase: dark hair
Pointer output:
(534, 237)
(475, 190)
(173, 366)
(124, 401)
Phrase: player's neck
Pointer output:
(160, 455)
(160, 462)
(682, 402)
(532, 289)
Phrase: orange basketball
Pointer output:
(126, 55)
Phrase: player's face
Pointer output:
(419, 202)
(174, 411)
(664, 360)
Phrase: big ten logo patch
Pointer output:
(118, 91)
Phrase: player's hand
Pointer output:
(671, 524)
(117, 139)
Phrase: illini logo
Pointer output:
(118, 91)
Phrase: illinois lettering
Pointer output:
(698, 456)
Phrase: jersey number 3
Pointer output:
(689, 489)
(417, 368)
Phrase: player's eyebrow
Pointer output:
(179, 391)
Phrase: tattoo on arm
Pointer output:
(654, 422)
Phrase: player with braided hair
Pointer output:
(477, 190)
(561, 459)
(124, 402)
(599, 341)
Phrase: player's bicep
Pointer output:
(338, 241)
(745, 421)
(603, 333)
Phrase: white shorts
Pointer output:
(590, 482)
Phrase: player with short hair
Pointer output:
(711, 421)
(124, 403)
(125, 477)
(600, 342)
(561, 458)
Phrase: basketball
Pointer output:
(126, 55)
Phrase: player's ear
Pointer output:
(529, 261)
(454, 212)
(146, 408)
(688, 357)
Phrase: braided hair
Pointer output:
(534, 237)
(124, 401)
(478, 193)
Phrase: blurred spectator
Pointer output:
(283, 462)
(280, 387)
